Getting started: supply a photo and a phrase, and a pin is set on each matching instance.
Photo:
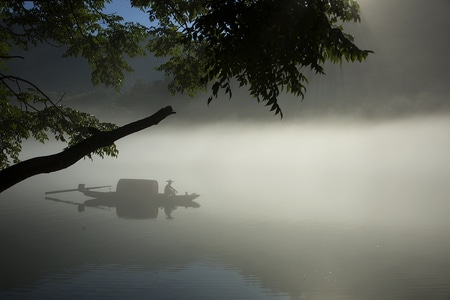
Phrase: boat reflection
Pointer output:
(133, 199)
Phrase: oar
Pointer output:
(74, 203)
(74, 190)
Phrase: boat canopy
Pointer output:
(137, 186)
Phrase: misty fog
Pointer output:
(393, 172)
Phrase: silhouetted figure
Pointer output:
(169, 190)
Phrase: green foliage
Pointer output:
(81, 26)
(263, 44)
(102, 39)
(37, 118)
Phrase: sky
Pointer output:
(124, 9)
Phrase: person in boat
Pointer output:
(169, 190)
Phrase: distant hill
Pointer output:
(45, 66)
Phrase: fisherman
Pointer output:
(169, 190)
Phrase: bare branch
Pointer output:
(17, 80)
(11, 56)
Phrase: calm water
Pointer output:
(312, 211)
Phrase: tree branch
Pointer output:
(59, 161)
(11, 56)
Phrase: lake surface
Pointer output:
(317, 210)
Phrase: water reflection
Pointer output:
(133, 199)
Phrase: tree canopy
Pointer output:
(208, 45)
(264, 45)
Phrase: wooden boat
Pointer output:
(133, 199)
